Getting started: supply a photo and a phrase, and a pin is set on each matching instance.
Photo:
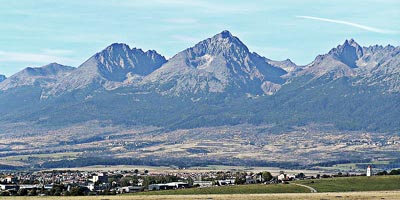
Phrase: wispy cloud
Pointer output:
(180, 20)
(24, 57)
(364, 27)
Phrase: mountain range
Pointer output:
(218, 81)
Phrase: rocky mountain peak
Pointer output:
(217, 64)
(2, 77)
(117, 47)
(117, 60)
(223, 43)
(51, 69)
(348, 53)
(224, 34)
(36, 76)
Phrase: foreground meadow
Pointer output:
(387, 195)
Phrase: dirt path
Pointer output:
(313, 190)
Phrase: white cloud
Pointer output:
(364, 27)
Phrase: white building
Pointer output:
(369, 170)
(168, 186)
(226, 182)
(130, 189)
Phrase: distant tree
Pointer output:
(32, 192)
(267, 176)
(4, 193)
(146, 171)
(382, 173)
(67, 193)
(136, 171)
(190, 181)
(22, 192)
(77, 191)
(301, 176)
(112, 179)
(325, 176)
(125, 182)
(148, 180)
(395, 172)
(240, 178)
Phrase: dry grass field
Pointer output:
(387, 195)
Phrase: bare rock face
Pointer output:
(286, 65)
(338, 62)
(113, 65)
(2, 78)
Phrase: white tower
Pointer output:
(369, 170)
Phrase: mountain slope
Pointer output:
(216, 82)
(374, 65)
(381, 66)
(216, 65)
(116, 63)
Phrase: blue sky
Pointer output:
(37, 32)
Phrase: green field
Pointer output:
(348, 184)
(235, 189)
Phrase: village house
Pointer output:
(100, 178)
(203, 183)
(286, 177)
(10, 179)
(130, 189)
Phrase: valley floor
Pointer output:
(316, 147)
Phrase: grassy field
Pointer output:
(388, 195)
(362, 183)
(368, 188)
(237, 189)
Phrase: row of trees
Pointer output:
(393, 172)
